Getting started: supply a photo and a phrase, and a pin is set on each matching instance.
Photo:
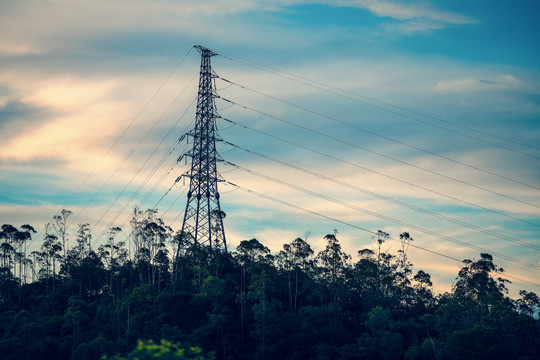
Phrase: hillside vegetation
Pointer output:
(82, 302)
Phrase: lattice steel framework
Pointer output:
(203, 218)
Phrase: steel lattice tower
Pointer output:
(203, 218)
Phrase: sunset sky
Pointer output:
(417, 116)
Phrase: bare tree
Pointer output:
(60, 226)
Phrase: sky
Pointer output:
(400, 116)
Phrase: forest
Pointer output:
(162, 295)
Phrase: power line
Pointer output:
(383, 136)
(282, 202)
(401, 203)
(383, 155)
(155, 206)
(294, 77)
(131, 152)
(384, 217)
(417, 113)
(141, 186)
(128, 127)
(375, 172)
(152, 172)
(148, 194)
(153, 152)
(174, 202)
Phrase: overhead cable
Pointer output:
(282, 202)
(376, 172)
(142, 166)
(384, 136)
(389, 199)
(385, 156)
(295, 77)
(128, 127)
(387, 218)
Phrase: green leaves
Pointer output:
(165, 350)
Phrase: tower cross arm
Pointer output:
(205, 51)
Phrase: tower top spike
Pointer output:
(205, 51)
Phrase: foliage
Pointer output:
(86, 301)
(147, 350)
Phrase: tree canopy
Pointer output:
(164, 296)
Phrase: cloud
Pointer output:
(500, 82)
(410, 11)
(82, 115)
(10, 49)
(46, 26)
(17, 116)
(412, 16)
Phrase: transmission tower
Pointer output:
(203, 218)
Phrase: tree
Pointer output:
(405, 239)
(8, 237)
(149, 235)
(334, 261)
(260, 287)
(250, 251)
(480, 281)
(59, 225)
(113, 256)
(528, 303)
(162, 264)
(50, 254)
(217, 217)
(364, 285)
(181, 243)
(156, 234)
(257, 306)
(294, 257)
(28, 230)
(165, 350)
(84, 241)
(423, 296)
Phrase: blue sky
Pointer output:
(75, 74)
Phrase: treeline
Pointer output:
(82, 302)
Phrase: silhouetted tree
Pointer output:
(59, 225)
